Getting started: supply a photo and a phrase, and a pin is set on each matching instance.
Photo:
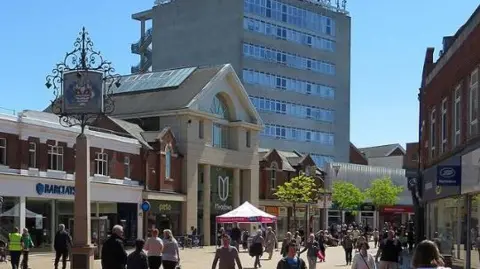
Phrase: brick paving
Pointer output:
(202, 258)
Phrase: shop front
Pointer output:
(164, 215)
(445, 207)
(367, 215)
(281, 213)
(41, 204)
(397, 215)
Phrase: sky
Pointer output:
(389, 39)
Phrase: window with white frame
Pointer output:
(32, 155)
(168, 162)
(444, 125)
(457, 116)
(126, 167)
(55, 157)
(473, 108)
(3, 151)
(101, 163)
(273, 175)
(433, 126)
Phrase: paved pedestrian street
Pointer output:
(202, 259)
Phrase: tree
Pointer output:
(346, 196)
(300, 189)
(383, 192)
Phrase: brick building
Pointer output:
(275, 168)
(449, 141)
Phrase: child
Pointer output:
(138, 259)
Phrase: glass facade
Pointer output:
(288, 59)
(321, 160)
(276, 82)
(285, 33)
(292, 15)
(296, 110)
(298, 134)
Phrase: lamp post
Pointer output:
(82, 85)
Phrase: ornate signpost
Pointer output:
(82, 85)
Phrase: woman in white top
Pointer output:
(154, 248)
(427, 255)
(171, 253)
(363, 259)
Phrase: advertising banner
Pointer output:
(221, 184)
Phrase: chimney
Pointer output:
(447, 42)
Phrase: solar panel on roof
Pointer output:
(154, 80)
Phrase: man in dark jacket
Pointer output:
(114, 255)
(62, 245)
(138, 259)
(291, 261)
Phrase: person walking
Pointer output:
(226, 256)
(256, 249)
(312, 248)
(285, 244)
(376, 237)
(427, 255)
(138, 259)
(154, 248)
(236, 235)
(291, 260)
(270, 241)
(347, 244)
(27, 244)
(363, 260)
(15, 247)
(114, 255)
(171, 252)
(62, 244)
(389, 252)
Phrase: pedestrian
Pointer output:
(270, 241)
(322, 241)
(154, 248)
(363, 259)
(347, 244)
(226, 256)
(356, 235)
(138, 259)
(62, 244)
(298, 240)
(236, 236)
(114, 255)
(15, 247)
(427, 255)
(376, 237)
(389, 252)
(285, 244)
(27, 244)
(170, 253)
(256, 249)
(312, 249)
(291, 260)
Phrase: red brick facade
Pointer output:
(118, 163)
(410, 159)
(356, 157)
(454, 74)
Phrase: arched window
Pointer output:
(273, 175)
(219, 107)
(168, 161)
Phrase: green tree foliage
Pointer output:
(347, 196)
(300, 189)
(383, 192)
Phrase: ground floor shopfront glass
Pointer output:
(164, 215)
(9, 216)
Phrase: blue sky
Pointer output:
(389, 39)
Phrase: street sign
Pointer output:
(145, 206)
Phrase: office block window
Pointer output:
(298, 134)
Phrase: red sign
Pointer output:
(398, 209)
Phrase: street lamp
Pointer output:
(82, 86)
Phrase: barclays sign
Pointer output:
(43, 189)
(449, 175)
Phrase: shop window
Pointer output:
(168, 162)
(126, 167)
(55, 157)
(3, 151)
(101, 163)
(273, 176)
(32, 155)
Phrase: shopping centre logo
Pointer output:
(223, 188)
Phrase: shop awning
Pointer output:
(15, 212)
(246, 213)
